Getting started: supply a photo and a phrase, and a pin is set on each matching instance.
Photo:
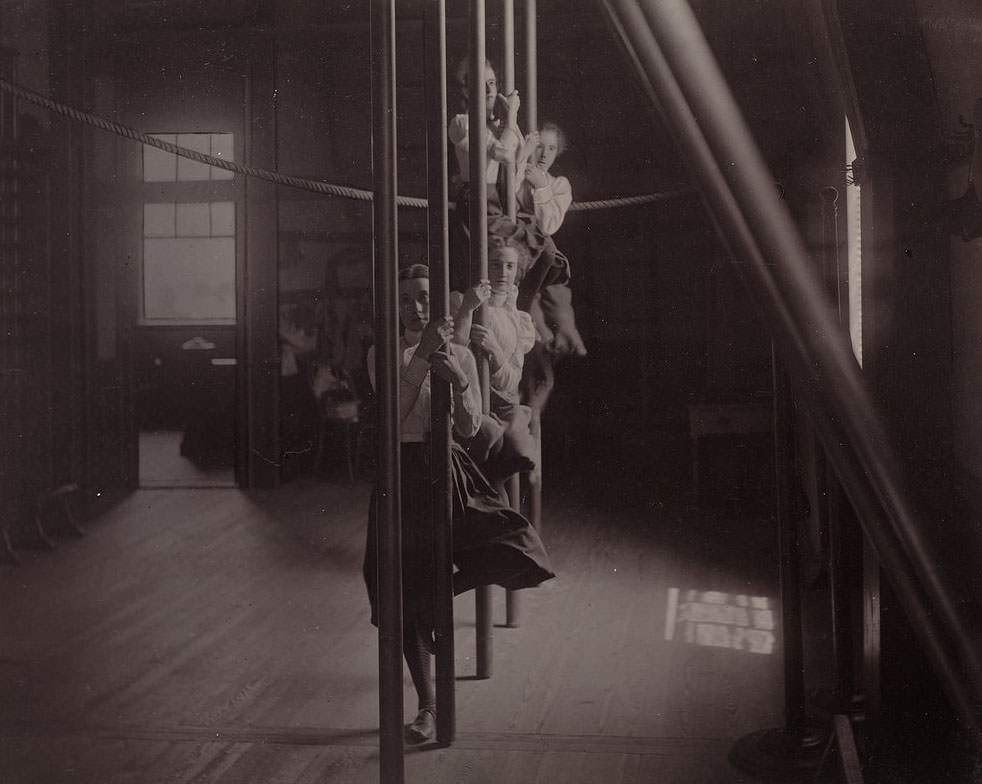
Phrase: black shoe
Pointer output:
(422, 728)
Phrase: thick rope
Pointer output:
(630, 201)
(316, 186)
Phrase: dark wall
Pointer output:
(639, 273)
(649, 283)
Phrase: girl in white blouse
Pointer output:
(492, 544)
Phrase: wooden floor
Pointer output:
(212, 635)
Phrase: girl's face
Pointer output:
(502, 270)
(490, 88)
(547, 150)
(414, 303)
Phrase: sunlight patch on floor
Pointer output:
(721, 620)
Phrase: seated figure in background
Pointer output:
(299, 417)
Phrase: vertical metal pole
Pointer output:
(791, 748)
(435, 68)
(788, 552)
(387, 375)
(531, 98)
(508, 57)
(513, 604)
(508, 60)
(841, 523)
(531, 103)
(839, 562)
(478, 225)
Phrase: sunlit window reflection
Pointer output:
(162, 166)
(721, 620)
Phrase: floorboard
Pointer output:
(213, 635)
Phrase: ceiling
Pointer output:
(914, 63)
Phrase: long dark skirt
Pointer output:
(492, 543)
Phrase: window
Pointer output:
(161, 166)
(189, 261)
(188, 243)
(855, 252)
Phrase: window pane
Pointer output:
(193, 220)
(855, 253)
(186, 168)
(158, 220)
(189, 279)
(222, 147)
(223, 219)
(159, 166)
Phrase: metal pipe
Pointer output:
(826, 369)
(531, 100)
(513, 602)
(438, 251)
(508, 68)
(840, 563)
(477, 162)
(477, 129)
(387, 376)
(511, 206)
(508, 44)
(789, 552)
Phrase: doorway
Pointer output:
(185, 403)
(185, 336)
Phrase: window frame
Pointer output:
(196, 191)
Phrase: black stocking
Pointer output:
(416, 649)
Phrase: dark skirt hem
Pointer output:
(492, 543)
